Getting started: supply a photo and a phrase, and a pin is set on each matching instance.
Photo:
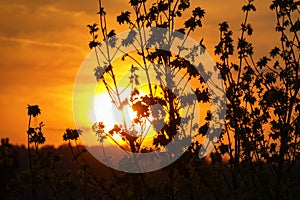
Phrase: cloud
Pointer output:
(23, 20)
(34, 42)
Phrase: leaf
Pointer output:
(295, 27)
(134, 2)
(93, 44)
(223, 27)
(124, 17)
(162, 6)
(297, 84)
(31, 131)
(181, 30)
(198, 12)
(33, 110)
(178, 13)
(249, 7)
(93, 28)
(202, 96)
(203, 129)
(224, 148)
(190, 24)
(183, 5)
(263, 62)
(249, 29)
(71, 134)
(274, 52)
(111, 33)
(130, 38)
(235, 67)
(102, 12)
(270, 77)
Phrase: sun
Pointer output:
(103, 110)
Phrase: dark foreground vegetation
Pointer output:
(61, 174)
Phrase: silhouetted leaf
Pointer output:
(111, 33)
(274, 52)
(249, 7)
(263, 62)
(124, 17)
(33, 110)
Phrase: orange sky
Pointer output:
(44, 42)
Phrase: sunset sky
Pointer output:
(44, 42)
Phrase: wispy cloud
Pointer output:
(39, 43)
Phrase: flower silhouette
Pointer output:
(33, 110)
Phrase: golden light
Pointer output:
(117, 137)
(105, 111)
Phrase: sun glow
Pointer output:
(104, 110)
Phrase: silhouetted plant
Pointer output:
(92, 187)
(35, 137)
(162, 14)
(8, 165)
(262, 120)
(263, 101)
(257, 156)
